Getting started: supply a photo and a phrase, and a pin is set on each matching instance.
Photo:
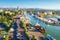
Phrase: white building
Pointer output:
(49, 12)
(1, 10)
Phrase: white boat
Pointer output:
(37, 24)
(32, 14)
(50, 37)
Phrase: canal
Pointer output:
(50, 29)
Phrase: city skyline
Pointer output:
(44, 4)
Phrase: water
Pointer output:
(50, 29)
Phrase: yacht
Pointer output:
(38, 27)
(54, 21)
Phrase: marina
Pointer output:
(29, 19)
(50, 29)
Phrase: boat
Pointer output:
(49, 37)
(38, 27)
(37, 24)
(32, 14)
(54, 21)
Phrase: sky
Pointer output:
(45, 4)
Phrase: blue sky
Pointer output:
(45, 4)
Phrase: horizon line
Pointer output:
(31, 7)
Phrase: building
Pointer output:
(1, 10)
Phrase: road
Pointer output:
(18, 31)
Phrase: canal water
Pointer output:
(50, 29)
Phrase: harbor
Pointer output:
(50, 29)
(29, 19)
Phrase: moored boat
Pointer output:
(38, 27)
